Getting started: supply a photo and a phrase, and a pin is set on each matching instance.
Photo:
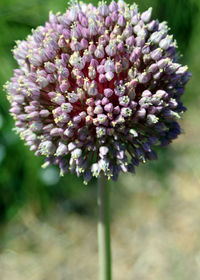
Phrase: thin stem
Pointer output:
(104, 229)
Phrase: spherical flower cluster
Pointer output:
(97, 88)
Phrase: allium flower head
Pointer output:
(97, 88)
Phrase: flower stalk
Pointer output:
(103, 202)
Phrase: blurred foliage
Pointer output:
(21, 178)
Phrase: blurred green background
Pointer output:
(36, 202)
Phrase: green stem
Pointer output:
(104, 229)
